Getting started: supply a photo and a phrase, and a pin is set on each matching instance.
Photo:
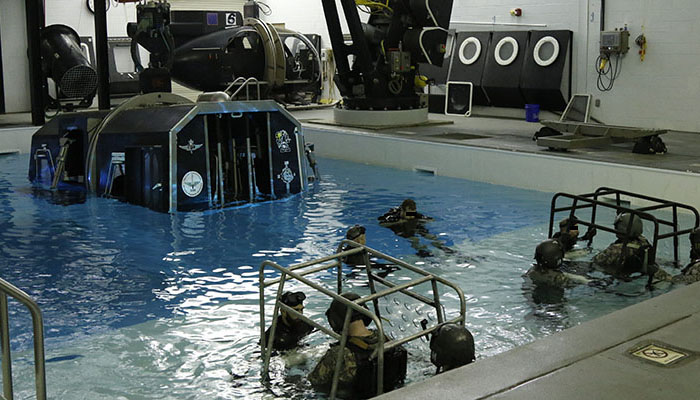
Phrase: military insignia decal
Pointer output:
(287, 175)
(192, 184)
(283, 139)
(190, 146)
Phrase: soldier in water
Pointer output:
(451, 346)
(357, 376)
(691, 272)
(408, 223)
(568, 235)
(549, 256)
(290, 329)
(630, 253)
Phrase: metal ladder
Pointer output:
(299, 272)
(6, 289)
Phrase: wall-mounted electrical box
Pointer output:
(614, 42)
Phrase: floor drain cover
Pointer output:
(659, 354)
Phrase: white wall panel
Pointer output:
(15, 65)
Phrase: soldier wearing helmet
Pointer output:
(691, 273)
(451, 346)
(568, 233)
(549, 256)
(407, 222)
(290, 329)
(630, 253)
(358, 374)
(357, 234)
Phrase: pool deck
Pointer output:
(516, 135)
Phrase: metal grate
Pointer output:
(79, 82)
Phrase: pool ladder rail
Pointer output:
(6, 289)
(299, 272)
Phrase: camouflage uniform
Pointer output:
(554, 277)
(615, 263)
(690, 274)
(355, 365)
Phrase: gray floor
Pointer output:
(595, 360)
(516, 135)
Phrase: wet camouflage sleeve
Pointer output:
(322, 375)
(610, 256)
(691, 274)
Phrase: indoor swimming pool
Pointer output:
(144, 305)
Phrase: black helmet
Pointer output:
(408, 205)
(336, 313)
(451, 346)
(293, 299)
(549, 254)
(622, 222)
(355, 231)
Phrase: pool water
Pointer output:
(143, 305)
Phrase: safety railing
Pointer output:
(592, 201)
(299, 272)
(6, 289)
(244, 84)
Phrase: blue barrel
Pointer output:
(532, 112)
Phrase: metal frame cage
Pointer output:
(595, 199)
(299, 272)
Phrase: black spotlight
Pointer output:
(64, 62)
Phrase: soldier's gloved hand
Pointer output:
(589, 233)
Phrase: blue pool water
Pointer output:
(144, 305)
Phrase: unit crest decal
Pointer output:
(283, 140)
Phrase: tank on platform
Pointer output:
(166, 153)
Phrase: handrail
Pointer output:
(7, 288)
(299, 271)
(235, 81)
(245, 84)
(590, 200)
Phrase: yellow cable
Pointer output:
(374, 5)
